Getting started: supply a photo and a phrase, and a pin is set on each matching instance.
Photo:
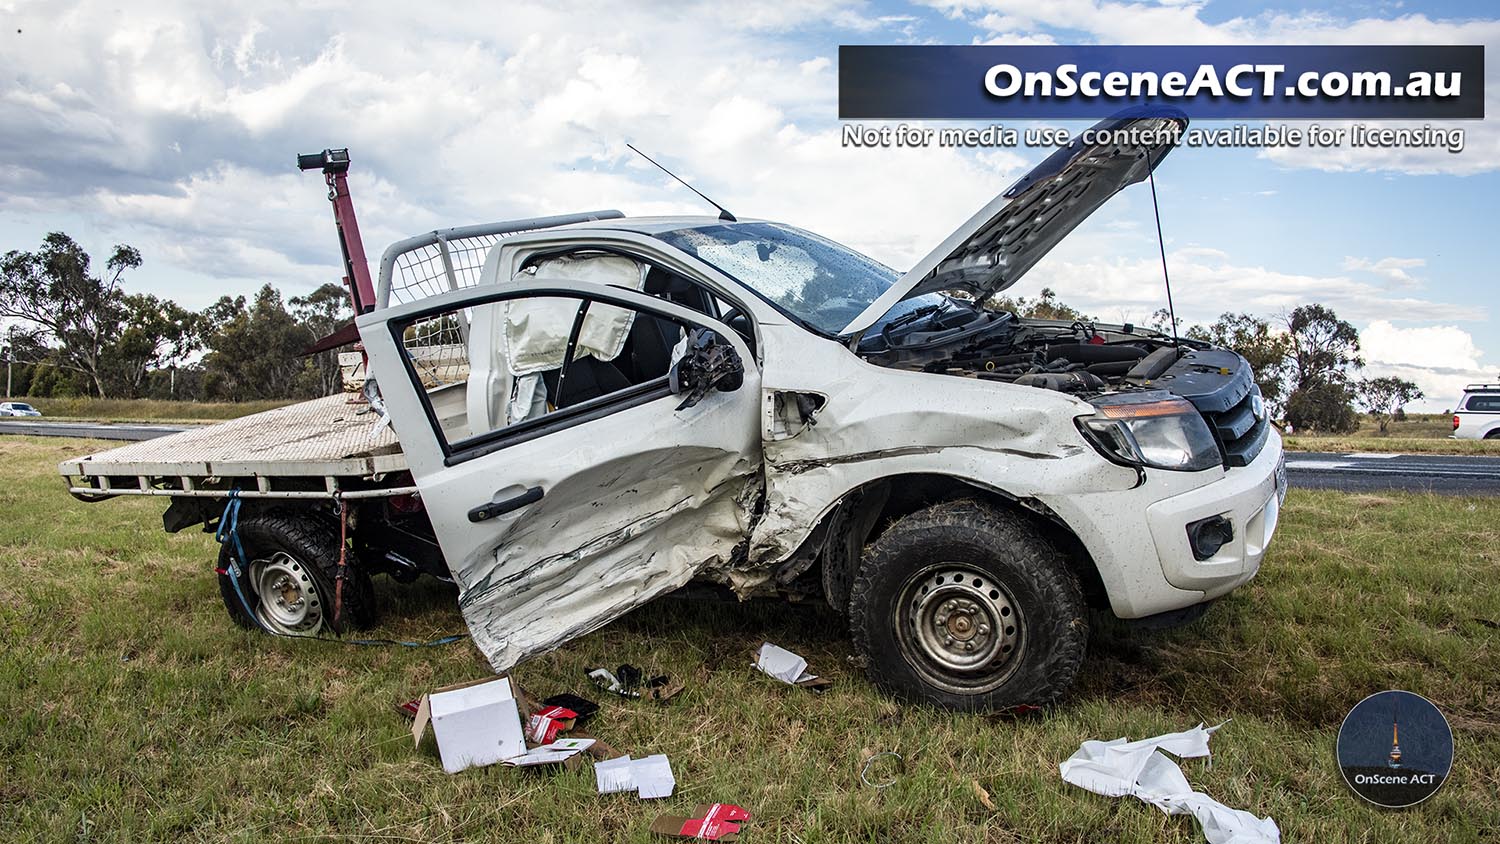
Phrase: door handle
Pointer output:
(498, 505)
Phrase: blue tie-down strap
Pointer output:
(229, 534)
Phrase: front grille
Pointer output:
(1241, 435)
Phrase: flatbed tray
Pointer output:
(331, 437)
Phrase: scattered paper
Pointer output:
(783, 665)
(1139, 768)
(650, 777)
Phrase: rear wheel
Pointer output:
(968, 607)
(1493, 435)
(289, 575)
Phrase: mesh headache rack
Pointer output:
(444, 260)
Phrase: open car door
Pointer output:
(578, 486)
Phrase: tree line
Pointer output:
(73, 330)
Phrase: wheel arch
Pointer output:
(832, 549)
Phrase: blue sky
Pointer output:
(172, 126)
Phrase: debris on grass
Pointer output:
(1141, 769)
(881, 770)
(475, 723)
(556, 753)
(782, 664)
(630, 682)
(983, 796)
(650, 777)
(709, 822)
(544, 725)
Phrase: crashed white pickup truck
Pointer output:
(601, 410)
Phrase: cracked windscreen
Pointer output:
(819, 282)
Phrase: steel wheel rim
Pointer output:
(959, 628)
(287, 598)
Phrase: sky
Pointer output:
(174, 127)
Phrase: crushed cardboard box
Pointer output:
(650, 777)
(544, 725)
(709, 822)
(562, 751)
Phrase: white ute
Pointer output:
(603, 409)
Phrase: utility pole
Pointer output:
(8, 362)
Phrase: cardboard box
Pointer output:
(709, 822)
(475, 724)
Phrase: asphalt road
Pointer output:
(96, 430)
(1451, 474)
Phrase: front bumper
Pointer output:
(1138, 538)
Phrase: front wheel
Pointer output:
(968, 607)
(288, 579)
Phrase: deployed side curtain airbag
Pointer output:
(537, 329)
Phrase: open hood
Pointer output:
(999, 244)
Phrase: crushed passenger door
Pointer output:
(554, 525)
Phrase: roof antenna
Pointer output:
(723, 212)
(1162, 245)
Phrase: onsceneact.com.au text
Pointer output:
(1241, 80)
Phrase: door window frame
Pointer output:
(489, 442)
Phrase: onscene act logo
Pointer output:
(1395, 749)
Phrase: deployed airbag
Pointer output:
(537, 329)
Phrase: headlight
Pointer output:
(1151, 429)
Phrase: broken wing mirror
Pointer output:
(707, 363)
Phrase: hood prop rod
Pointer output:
(1162, 246)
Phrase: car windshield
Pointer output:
(20, 406)
(819, 282)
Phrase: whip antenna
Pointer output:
(723, 212)
(1162, 245)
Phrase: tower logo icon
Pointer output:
(1371, 757)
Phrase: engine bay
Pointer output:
(1078, 357)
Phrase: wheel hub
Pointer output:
(289, 600)
(959, 627)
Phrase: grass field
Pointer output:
(134, 710)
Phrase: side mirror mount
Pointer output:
(707, 363)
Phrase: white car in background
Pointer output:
(1477, 416)
(18, 408)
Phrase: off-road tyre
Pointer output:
(1000, 554)
(312, 541)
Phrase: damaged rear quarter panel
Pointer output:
(879, 423)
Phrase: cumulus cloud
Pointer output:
(1440, 359)
(1393, 270)
(174, 127)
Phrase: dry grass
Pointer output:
(137, 712)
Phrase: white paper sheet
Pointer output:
(783, 664)
(1139, 768)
